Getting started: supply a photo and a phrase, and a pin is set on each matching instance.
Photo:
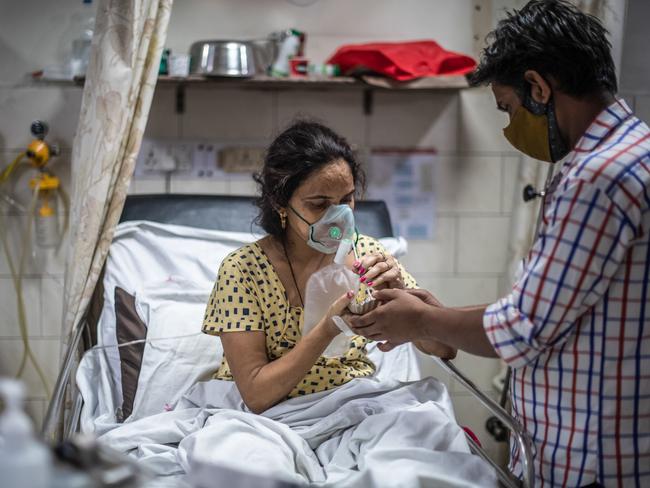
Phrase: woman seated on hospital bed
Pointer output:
(256, 307)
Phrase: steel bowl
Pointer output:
(237, 59)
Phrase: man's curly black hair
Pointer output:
(557, 40)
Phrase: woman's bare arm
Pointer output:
(263, 383)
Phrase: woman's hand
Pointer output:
(327, 325)
(379, 271)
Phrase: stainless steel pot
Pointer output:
(225, 58)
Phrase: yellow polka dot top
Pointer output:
(249, 296)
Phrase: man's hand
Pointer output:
(399, 318)
(416, 316)
(425, 296)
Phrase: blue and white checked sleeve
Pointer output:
(584, 241)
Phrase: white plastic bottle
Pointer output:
(289, 48)
(323, 288)
(24, 461)
(81, 44)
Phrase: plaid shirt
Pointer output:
(576, 326)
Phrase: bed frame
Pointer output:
(237, 213)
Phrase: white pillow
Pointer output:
(144, 254)
(169, 367)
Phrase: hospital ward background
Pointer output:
(432, 148)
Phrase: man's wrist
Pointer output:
(429, 322)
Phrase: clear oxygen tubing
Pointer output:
(16, 275)
(4, 176)
(65, 199)
(6, 173)
(143, 341)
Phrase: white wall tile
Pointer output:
(37, 260)
(456, 291)
(482, 244)
(47, 354)
(642, 107)
(31, 289)
(430, 367)
(436, 255)
(225, 115)
(510, 189)
(469, 184)
(143, 186)
(200, 186)
(51, 260)
(51, 306)
(481, 123)
(415, 119)
(245, 187)
(478, 369)
(342, 111)
(58, 106)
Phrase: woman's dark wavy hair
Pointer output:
(296, 153)
(555, 39)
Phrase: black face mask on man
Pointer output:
(533, 130)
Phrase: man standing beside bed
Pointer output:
(575, 327)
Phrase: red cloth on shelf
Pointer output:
(402, 61)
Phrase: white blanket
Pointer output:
(369, 432)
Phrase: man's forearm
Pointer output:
(461, 328)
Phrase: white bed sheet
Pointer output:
(366, 433)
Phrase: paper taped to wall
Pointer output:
(404, 179)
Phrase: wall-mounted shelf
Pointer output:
(321, 83)
(299, 83)
(366, 84)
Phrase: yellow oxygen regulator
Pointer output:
(45, 185)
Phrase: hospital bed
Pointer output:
(236, 214)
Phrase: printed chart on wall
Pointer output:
(404, 179)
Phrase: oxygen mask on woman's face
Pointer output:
(336, 224)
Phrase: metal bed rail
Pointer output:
(522, 438)
(56, 424)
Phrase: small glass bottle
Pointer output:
(46, 221)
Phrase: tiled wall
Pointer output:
(475, 180)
